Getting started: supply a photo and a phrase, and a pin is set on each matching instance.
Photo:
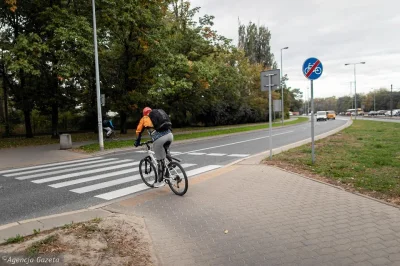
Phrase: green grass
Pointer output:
(18, 238)
(181, 135)
(35, 247)
(365, 156)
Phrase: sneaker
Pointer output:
(159, 184)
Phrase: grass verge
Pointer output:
(181, 135)
(364, 157)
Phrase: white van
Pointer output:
(321, 115)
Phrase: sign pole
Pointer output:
(96, 59)
(270, 80)
(270, 118)
(312, 122)
(312, 69)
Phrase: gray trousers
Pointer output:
(158, 146)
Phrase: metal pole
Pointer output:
(282, 104)
(96, 58)
(270, 122)
(312, 122)
(391, 100)
(355, 92)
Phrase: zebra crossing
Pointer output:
(98, 175)
(203, 153)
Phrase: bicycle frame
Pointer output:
(167, 160)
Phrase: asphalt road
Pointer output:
(55, 188)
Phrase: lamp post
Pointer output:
(282, 75)
(355, 85)
(96, 59)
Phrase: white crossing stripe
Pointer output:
(122, 192)
(39, 181)
(239, 155)
(70, 170)
(175, 152)
(115, 182)
(60, 167)
(216, 154)
(197, 153)
(92, 178)
(106, 184)
(47, 165)
(136, 188)
(202, 170)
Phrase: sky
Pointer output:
(334, 31)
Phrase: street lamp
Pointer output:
(355, 85)
(282, 105)
(96, 59)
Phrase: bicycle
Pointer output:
(113, 135)
(317, 70)
(167, 171)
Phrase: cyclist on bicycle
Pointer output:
(161, 138)
(108, 126)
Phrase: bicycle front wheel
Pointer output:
(114, 136)
(178, 181)
(148, 171)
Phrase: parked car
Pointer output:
(290, 113)
(372, 113)
(331, 115)
(321, 115)
(394, 112)
(381, 112)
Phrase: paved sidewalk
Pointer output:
(273, 218)
(27, 156)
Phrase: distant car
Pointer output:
(381, 112)
(331, 115)
(290, 113)
(321, 116)
(372, 113)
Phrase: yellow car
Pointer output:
(331, 115)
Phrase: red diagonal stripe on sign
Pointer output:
(312, 69)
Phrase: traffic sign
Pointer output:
(312, 68)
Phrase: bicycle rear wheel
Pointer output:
(148, 171)
(114, 135)
(178, 181)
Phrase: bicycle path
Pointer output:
(254, 214)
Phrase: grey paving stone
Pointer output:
(270, 225)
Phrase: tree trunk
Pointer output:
(6, 122)
(28, 125)
(54, 121)
(123, 122)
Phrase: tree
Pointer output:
(255, 41)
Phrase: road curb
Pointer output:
(27, 227)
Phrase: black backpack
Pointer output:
(160, 120)
(106, 123)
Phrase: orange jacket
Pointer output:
(145, 122)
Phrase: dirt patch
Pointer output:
(116, 240)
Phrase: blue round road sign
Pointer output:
(312, 68)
